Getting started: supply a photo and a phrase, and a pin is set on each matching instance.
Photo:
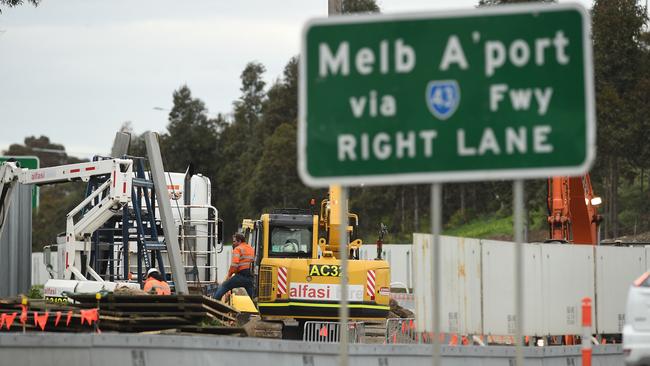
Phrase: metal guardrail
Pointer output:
(330, 332)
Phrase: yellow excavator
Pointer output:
(298, 270)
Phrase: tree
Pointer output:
(275, 182)
(49, 154)
(249, 105)
(12, 3)
(241, 143)
(281, 105)
(618, 57)
(359, 6)
(192, 137)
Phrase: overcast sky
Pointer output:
(75, 70)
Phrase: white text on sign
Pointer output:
(399, 56)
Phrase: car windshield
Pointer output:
(288, 241)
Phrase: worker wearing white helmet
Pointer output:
(155, 283)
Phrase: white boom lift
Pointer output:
(107, 200)
(115, 183)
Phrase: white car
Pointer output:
(636, 332)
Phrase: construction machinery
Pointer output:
(298, 269)
(573, 210)
(119, 231)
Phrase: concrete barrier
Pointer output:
(170, 350)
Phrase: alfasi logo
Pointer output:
(443, 97)
(326, 270)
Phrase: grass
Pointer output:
(483, 228)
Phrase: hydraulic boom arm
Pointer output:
(573, 210)
(105, 201)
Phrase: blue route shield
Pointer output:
(443, 97)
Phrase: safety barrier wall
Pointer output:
(478, 294)
(499, 290)
(460, 302)
(615, 271)
(169, 350)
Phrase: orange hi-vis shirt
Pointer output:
(159, 287)
(242, 258)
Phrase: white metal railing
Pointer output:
(203, 255)
(330, 332)
(198, 246)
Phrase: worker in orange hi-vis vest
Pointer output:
(240, 273)
(155, 284)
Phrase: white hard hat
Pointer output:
(152, 270)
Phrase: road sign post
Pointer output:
(502, 92)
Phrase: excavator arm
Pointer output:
(330, 224)
(573, 210)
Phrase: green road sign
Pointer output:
(489, 93)
(29, 162)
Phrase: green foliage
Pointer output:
(192, 137)
(484, 228)
(36, 292)
(50, 219)
(634, 214)
(621, 68)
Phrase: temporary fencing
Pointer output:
(404, 331)
(330, 332)
(401, 330)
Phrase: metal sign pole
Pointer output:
(334, 8)
(436, 223)
(343, 254)
(518, 216)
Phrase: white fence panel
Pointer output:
(616, 269)
(422, 281)
(568, 273)
(460, 302)
(461, 285)
(499, 288)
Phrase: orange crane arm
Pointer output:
(573, 210)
